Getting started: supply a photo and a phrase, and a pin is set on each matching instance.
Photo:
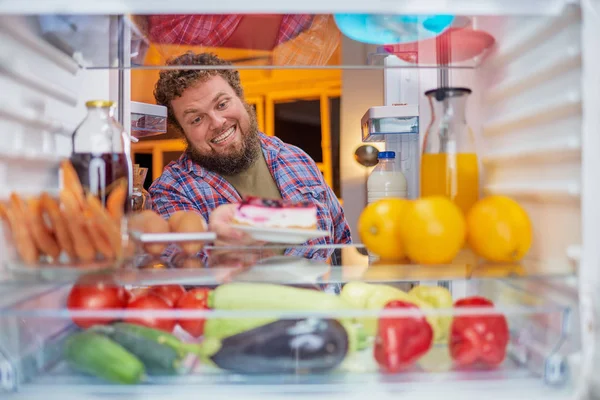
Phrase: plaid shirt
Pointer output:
(302, 39)
(184, 185)
(214, 30)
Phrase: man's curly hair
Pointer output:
(173, 82)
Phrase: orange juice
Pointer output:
(452, 175)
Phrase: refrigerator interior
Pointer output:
(533, 112)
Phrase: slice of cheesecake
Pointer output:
(270, 213)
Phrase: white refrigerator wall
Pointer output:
(530, 123)
(361, 89)
(42, 99)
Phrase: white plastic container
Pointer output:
(386, 179)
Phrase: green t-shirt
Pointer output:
(255, 181)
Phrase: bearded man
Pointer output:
(227, 157)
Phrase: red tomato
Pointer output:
(136, 293)
(195, 299)
(128, 295)
(151, 301)
(100, 295)
(171, 293)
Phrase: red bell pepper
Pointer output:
(401, 341)
(478, 338)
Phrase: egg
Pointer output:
(188, 222)
(148, 221)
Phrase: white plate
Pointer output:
(282, 235)
(174, 237)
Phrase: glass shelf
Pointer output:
(284, 41)
(484, 7)
(322, 265)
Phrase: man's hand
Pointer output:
(220, 222)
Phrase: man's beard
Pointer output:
(236, 162)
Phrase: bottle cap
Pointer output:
(99, 104)
(386, 155)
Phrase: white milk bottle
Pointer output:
(386, 179)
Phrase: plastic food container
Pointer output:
(233, 337)
(148, 119)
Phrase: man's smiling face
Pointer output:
(220, 128)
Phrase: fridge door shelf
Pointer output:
(379, 122)
(454, 46)
(148, 119)
(88, 39)
(543, 337)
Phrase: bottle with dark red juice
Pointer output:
(101, 152)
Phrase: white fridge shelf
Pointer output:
(461, 7)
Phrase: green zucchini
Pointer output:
(98, 355)
(266, 296)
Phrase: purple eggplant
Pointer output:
(293, 346)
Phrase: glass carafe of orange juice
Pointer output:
(449, 164)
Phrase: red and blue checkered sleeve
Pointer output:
(168, 197)
(340, 225)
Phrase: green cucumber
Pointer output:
(154, 335)
(162, 337)
(98, 355)
(150, 347)
(266, 296)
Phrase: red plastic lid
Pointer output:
(454, 45)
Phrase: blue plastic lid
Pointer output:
(386, 155)
(391, 29)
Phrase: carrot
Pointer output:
(101, 242)
(115, 203)
(73, 214)
(110, 229)
(21, 234)
(71, 182)
(42, 236)
(58, 224)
